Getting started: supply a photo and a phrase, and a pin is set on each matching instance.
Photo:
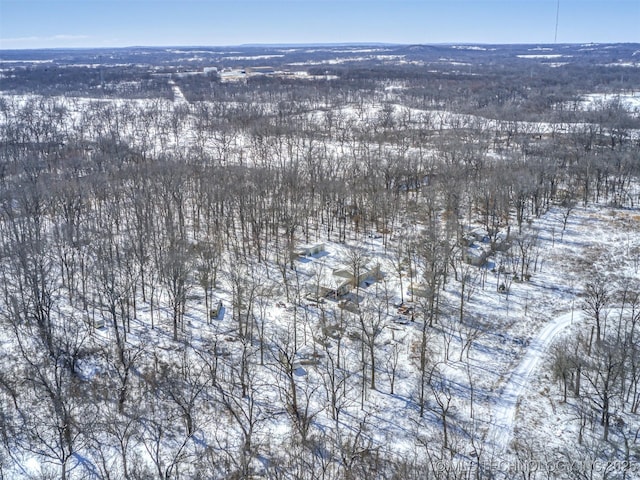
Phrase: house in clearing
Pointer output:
(419, 290)
(328, 284)
(476, 254)
(340, 281)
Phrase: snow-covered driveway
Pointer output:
(504, 409)
(178, 96)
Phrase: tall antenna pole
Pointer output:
(555, 38)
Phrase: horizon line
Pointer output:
(314, 44)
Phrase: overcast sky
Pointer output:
(119, 23)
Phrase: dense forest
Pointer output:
(325, 271)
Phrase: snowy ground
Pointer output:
(518, 383)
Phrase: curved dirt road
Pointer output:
(504, 408)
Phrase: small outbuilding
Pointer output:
(309, 250)
(216, 308)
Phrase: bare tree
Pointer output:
(596, 300)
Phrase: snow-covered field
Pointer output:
(629, 101)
